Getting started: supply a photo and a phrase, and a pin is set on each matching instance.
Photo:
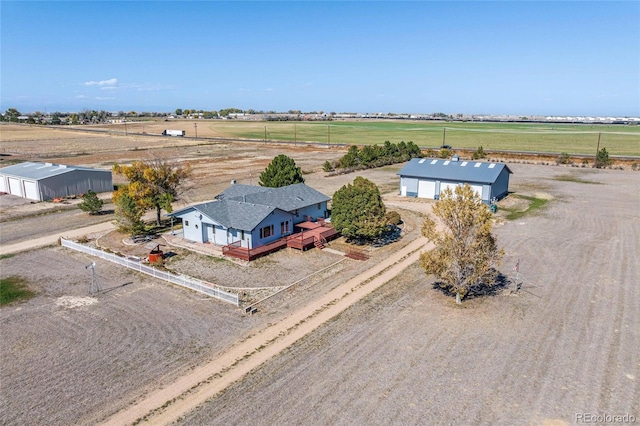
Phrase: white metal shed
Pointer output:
(46, 181)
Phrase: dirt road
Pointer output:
(53, 239)
(168, 404)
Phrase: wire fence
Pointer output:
(178, 279)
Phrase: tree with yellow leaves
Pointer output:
(465, 253)
(154, 184)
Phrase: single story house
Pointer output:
(46, 181)
(428, 177)
(252, 216)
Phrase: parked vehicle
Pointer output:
(173, 132)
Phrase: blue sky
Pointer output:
(526, 58)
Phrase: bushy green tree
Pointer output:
(91, 203)
(602, 158)
(128, 211)
(282, 171)
(465, 253)
(357, 210)
(327, 166)
(479, 153)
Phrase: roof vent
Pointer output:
(48, 164)
(233, 181)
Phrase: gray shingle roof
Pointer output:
(287, 198)
(465, 171)
(234, 214)
(36, 171)
(238, 190)
(244, 206)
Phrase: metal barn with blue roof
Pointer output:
(428, 177)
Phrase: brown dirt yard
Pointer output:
(567, 343)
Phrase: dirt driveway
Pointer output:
(566, 344)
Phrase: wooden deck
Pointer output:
(311, 234)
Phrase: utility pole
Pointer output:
(328, 135)
(265, 134)
(444, 135)
(195, 126)
(595, 164)
(295, 134)
(125, 126)
(92, 266)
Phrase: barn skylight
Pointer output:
(492, 165)
(446, 162)
(434, 161)
(464, 163)
(421, 161)
(477, 165)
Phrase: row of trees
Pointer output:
(371, 156)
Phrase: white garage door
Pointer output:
(477, 189)
(444, 186)
(3, 184)
(426, 189)
(14, 187)
(31, 190)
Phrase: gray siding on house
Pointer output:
(241, 212)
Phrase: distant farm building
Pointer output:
(428, 177)
(46, 181)
(249, 221)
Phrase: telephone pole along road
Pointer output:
(188, 392)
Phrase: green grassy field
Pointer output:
(556, 138)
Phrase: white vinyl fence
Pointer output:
(179, 279)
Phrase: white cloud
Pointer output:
(110, 82)
(81, 97)
(100, 98)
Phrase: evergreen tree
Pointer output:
(358, 211)
(128, 212)
(602, 159)
(282, 171)
(91, 203)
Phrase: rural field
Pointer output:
(621, 140)
(566, 343)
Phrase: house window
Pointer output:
(319, 206)
(281, 227)
(242, 235)
(297, 212)
(267, 231)
(186, 223)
